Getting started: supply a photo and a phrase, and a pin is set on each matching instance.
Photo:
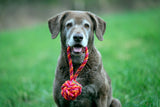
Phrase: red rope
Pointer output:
(71, 89)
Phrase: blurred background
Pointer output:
(130, 50)
(18, 13)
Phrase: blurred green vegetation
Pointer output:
(130, 53)
(96, 5)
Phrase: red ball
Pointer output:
(70, 90)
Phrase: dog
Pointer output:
(77, 30)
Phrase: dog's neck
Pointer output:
(76, 60)
(94, 60)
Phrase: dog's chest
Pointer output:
(85, 77)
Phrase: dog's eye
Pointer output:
(69, 25)
(86, 25)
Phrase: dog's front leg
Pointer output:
(98, 95)
(90, 91)
(87, 97)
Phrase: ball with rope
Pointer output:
(71, 89)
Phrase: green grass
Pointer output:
(130, 53)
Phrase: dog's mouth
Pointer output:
(77, 49)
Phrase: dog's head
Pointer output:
(77, 31)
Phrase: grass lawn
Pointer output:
(130, 53)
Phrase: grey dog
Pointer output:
(77, 30)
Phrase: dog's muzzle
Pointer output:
(77, 48)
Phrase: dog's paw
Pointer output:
(115, 103)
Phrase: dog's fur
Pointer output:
(96, 91)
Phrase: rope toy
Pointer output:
(71, 89)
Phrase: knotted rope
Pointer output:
(71, 89)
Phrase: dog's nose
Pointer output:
(78, 37)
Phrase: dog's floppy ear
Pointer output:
(99, 25)
(54, 24)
